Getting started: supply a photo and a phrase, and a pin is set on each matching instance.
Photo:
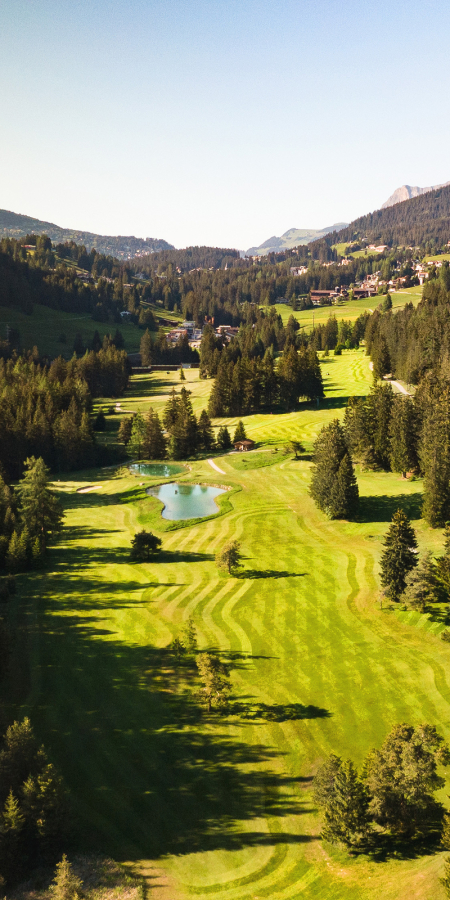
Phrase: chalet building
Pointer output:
(244, 445)
(319, 298)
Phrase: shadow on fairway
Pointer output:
(278, 712)
(381, 508)
(268, 573)
(149, 770)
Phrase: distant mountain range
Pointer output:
(293, 238)
(407, 192)
(16, 225)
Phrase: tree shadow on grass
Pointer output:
(277, 712)
(268, 573)
(382, 507)
(384, 845)
(146, 777)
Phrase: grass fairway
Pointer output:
(220, 806)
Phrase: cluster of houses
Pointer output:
(194, 334)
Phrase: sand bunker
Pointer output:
(93, 487)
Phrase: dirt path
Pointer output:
(390, 381)
(213, 466)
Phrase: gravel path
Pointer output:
(213, 466)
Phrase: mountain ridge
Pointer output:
(407, 192)
(16, 225)
(293, 237)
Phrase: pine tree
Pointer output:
(399, 556)
(333, 483)
(402, 433)
(66, 885)
(381, 359)
(40, 508)
(346, 812)
(239, 433)
(12, 822)
(205, 432)
(146, 348)
(136, 443)
(182, 375)
(223, 438)
(434, 451)
(154, 444)
(125, 428)
(421, 584)
(344, 496)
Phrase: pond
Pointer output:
(186, 501)
(161, 470)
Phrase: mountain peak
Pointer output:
(407, 192)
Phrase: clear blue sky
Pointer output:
(219, 122)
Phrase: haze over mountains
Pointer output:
(16, 225)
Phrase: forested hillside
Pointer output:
(16, 225)
(416, 222)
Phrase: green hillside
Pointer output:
(16, 225)
(221, 806)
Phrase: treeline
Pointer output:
(407, 435)
(413, 340)
(392, 798)
(34, 809)
(44, 410)
(421, 221)
(183, 434)
(167, 261)
(38, 277)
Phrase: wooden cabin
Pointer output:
(244, 445)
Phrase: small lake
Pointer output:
(186, 501)
(160, 470)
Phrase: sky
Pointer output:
(219, 122)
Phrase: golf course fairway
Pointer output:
(220, 805)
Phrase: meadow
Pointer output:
(220, 806)
(349, 310)
(44, 326)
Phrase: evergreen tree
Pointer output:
(399, 555)
(66, 885)
(239, 433)
(215, 680)
(39, 506)
(421, 584)
(344, 496)
(205, 432)
(145, 545)
(402, 433)
(182, 375)
(155, 444)
(125, 428)
(381, 359)
(146, 348)
(137, 440)
(434, 451)
(346, 818)
(333, 483)
(12, 822)
(223, 438)
(443, 568)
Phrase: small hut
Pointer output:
(244, 445)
